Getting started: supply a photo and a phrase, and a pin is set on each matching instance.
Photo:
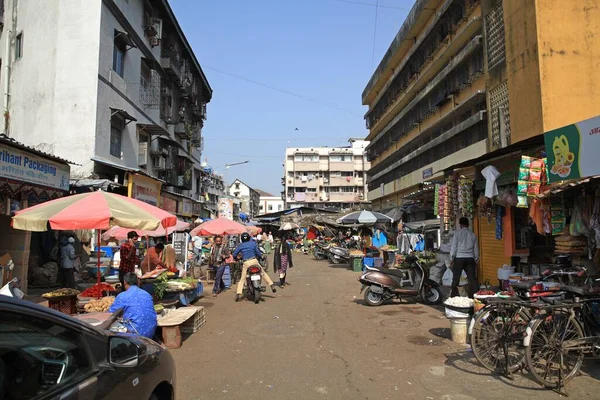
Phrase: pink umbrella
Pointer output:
(219, 226)
(121, 233)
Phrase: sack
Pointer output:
(77, 264)
(448, 275)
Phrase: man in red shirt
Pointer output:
(153, 258)
(129, 258)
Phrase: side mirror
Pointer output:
(123, 352)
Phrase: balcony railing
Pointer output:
(171, 62)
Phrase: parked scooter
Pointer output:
(264, 261)
(380, 284)
(254, 287)
(321, 250)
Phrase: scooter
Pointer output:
(264, 261)
(321, 251)
(254, 287)
(380, 284)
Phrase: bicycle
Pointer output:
(557, 342)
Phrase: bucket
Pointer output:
(458, 330)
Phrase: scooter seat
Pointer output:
(389, 271)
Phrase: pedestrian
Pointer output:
(464, 253)
(67, 261)
(129, 258)
(268, 242)
(218, 254)
(282, 260)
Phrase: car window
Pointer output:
(38, 356)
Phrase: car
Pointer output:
(45, 354)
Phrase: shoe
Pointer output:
(273, 289)
(238, 297)
(215, 294)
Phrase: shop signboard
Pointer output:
(573, 150)
(187, 208)
(197, 209)
(180, 245)
(146, 189)
(26, 167)
(428, 173)
(168, 204)
(226, 208)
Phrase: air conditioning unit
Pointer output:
(157, 27)
(159, 163)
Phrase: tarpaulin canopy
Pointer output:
(422, 226)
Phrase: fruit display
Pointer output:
(97, 290)
(100, 305)
(61, 293)
(486, 293)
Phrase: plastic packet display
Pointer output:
(523, 174)
(522, 201)
(525, 162)
(522, 187)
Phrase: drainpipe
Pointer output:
(7, 62)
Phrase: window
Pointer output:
(346, 174)
(306, 157)
(116, 136)
(347, 189)
(280, 207)
(270, 206)
(237, 185)
(19, 46)
(40, 356)
(261, 207)
(313, 190)
(119, 49)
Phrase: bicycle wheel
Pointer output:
(549, 357)
(497, 336)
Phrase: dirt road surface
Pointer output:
(316, 339)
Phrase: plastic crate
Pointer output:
(357, 264)
(64, 304)
(377, 262)
(369, 261)
(194, 323)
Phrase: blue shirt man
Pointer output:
(138, 315)
(249, 250)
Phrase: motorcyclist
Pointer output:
(250, 254)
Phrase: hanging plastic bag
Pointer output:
(448, 275)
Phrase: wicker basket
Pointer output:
(64, 304)
(196, 322)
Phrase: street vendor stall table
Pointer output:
(181, 320)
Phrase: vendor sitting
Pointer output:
(153, 258)
(139, 316)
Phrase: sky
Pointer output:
(284, 73)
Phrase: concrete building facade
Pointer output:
(466, 77)
(111, 84)
(326, 176)
(269, 203)
(249, 198)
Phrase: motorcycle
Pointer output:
(254, 287)
(380, 284)
(264, 261)
(341, 255)
(321, 251)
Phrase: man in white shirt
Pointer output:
(464, 253)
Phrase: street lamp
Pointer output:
(227, 166)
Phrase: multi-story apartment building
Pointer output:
(249, 199)
(213, 186)
(112, 85)
(466, 77)
(269, 203)
(426, 99)
(325, 176)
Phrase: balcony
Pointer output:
(170, 177)
(199, 110)
(180, 130)
(344, 166)
(171, 62)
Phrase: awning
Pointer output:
(123, 37)
(422, 226)
(152, 129)
(566, 185)
(123, 114)
(102, 184)
(124, 168)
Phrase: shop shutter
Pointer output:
(491, 252)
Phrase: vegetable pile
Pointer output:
(486, 293)
(61, 293)
(97, 290)
(100, 305)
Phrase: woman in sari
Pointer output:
(282, 260)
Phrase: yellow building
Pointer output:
(466, 77)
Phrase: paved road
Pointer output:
(316, 339)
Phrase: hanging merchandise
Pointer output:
(500, 210)
(465, 197)
(441, 200)
(578, 225)
(482, 205)
(436, 200)
(491, 174)
(450, 204)
(558, 217)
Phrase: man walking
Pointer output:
(464, 253)
(218, 254)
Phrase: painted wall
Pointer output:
(53, 86)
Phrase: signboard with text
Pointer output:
(25, 167)
(187, 208)
(146, 190)
(573, 150)
(168, 204)
(226, 208)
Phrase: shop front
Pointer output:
(27, 177)
(144, 188)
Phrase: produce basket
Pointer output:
(64, 304)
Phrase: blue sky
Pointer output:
(317, 49)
